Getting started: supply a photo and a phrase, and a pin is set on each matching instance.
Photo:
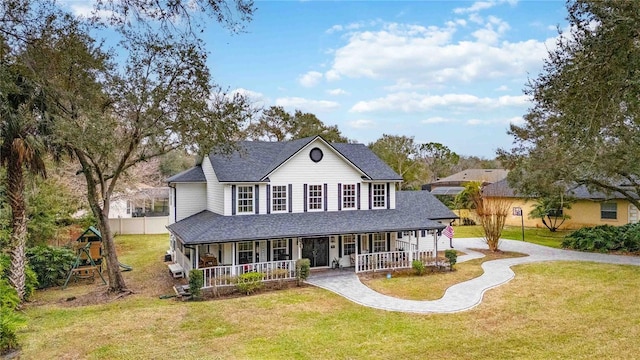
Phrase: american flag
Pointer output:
(448, 232)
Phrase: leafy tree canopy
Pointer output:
(276, 124)
(584, 126)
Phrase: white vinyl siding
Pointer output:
(331, 170)
(279, 199)
(215, 190)
(190, 199)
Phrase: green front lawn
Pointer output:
(540, 236)
(554, 310)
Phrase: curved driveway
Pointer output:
(468, 294)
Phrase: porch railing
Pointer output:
(392, 260)
(226, 275)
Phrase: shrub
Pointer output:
(10, 320)
(605, 238)
(452, 257)
(418, 267)
(249, 282)
(51, 264)
(303, 268)
(196, 282)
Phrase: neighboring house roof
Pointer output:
(447, 190)
(193, 175)
(144, 193)
(502, 189)
(253, 161)
(482, 175)
(415, 210)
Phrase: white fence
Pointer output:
(392, 260)
(226, 275)
(140, 225)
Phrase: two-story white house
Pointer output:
(267, 204)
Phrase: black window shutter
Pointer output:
(388, 196)
(304, 190)
(423, 233)
(358, 244)
(370, 243)
(324, 193)
(233, 199)
(290, 197)
(370, 196)
(269, 250)
(388, 241)
(257, 202)
(340, 246)
(339, 196)
(290, 249)
(399, 234)
(255, 252)
(358, 195)
(268, 199)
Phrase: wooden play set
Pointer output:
(89, 257)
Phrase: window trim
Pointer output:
(381, 194)
(251, 199)
(318, 195)
(377, 239)
(285, 200)
(349, 239)
(279, 242)
(614, 212)
(250, 251)
(346, 197)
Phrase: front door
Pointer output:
(316, 250)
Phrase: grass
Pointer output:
(550, 310)
(540, 236)
(432, 286)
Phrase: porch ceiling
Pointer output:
(207, 227)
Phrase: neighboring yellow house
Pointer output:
(588, 208)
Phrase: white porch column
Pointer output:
(233, 258)
(435, 243)
(410, 251)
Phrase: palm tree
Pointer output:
(21, 149)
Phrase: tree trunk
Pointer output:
(18, 240)
(116, 281)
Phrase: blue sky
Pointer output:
(441, 71)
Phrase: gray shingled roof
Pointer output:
(502, 189)
(255, 160)
(415, 210)
(193, 175)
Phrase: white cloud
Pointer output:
(310, 79)
(334, 28)
(337, 92)
(307, 104)
(429, 56)
(502, 88)
(416, 102)
(482, 5)
(253, 95)
(514, 120)
(362, 124)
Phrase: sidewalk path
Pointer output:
(468, 294)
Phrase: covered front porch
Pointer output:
(276, 259)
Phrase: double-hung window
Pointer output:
(348, 245)
(245, 199)
(379, 243)
(349, 196)
(379, 195)
(315, 197)
(609, 210)
(245, 252)
(279, 198)
(280, 249)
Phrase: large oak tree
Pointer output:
(584, 125)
